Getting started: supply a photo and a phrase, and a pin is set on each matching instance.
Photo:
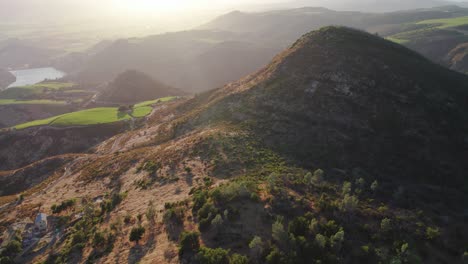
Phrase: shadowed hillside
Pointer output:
(132, 86)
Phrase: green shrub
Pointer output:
(298, 226)
(321, 241)
(386, 225)
(56, 209)
(238, 259)
(432, 233)
(136, 234)
(213, 256)
(12, 249)
(189, 243)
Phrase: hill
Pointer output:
(6, 78)
(346, 148)
(235, 44)
(132, 87)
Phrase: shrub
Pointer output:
(298, 226)
(337, 239)
(374, 186)
(321, 241)
(136, 234)
(173, 216)
(213, 256)
(349, 203)
(432, 233)
(56, 209)
(256, 247)
(188, 243)
(12, 249)
(238, 259)
(99, 239)
(386, 225)
(318, 177)
(279, 234)
(199, 199)
(276, 256)
(313, 226)
(217, 222)
(346, 189)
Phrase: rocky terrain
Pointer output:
(346, 148)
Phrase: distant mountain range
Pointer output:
(238, 43)
(371, 5)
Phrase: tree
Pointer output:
(321, 240)
(238, 259)
(213, 256)
(346, 189)
(313, 226)
(432, 233)
(337, 239)
(136, 234)
(256, 247)
(386, 225)
(189, 243)
(349, 203)
(374, 186)
(318, 177)
(279, 234)
(298, 226)
(12, 249)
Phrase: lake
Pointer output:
(33, 76)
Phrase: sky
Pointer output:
(157, 15)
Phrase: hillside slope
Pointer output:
(132, 87)
(333, 153)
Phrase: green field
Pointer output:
(430, 27)
(102, 115)
(160, 100)
(30, 90)
(30, 102)
(446, 22)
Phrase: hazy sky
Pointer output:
(161, 15)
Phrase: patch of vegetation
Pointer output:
(94, 116)
(30, 102)
(136, 234)
(160, 100)
(65, 205)
(29, 91)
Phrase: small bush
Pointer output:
(56, 209)
(136, 234)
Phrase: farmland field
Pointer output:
(94, 116)
(31, 90)
(446, 22)
(20, 102)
